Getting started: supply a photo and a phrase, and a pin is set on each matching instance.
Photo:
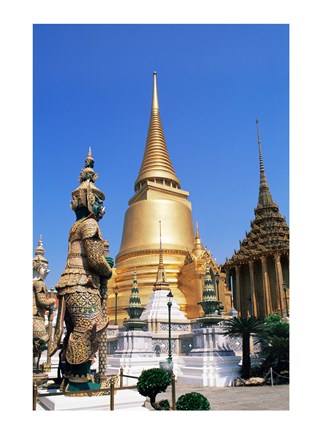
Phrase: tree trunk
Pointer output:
(154, 404)
(38, 360)
(246, 359)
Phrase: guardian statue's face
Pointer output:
(98, 208)
(43, 271)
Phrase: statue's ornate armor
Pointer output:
(40, 305)
(85, 272)
(86, 264)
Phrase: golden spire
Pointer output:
(197, 236)
(161, 282)
(155, 99)
(198, 248)
(156, 165)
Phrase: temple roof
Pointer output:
(156, 162)
(269, 230)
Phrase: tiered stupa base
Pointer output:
(212, 362)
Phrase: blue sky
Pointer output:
(92, 86)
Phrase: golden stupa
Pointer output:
(158, 202)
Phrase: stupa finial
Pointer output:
(197, 231)
(161, 250)
(265, 197)
(161, 282)
(259, 145)
(155, 99)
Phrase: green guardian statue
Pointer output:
(82, 285)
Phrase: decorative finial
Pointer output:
(155, 100)
(197, 231)
(83, 196)
(40, 248)
(161, 282)
(40, 251)
(264, 192)
(259, 144)
(89, 162)
(198, 248)
(257, 124)
(161, 252)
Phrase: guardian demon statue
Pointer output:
(82, 285)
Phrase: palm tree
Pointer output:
(244, 328)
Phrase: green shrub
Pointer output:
(164, 404)
(192, 402)
(151, 382)
(275, 345)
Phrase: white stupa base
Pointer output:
(123, 399)
(210, 340)
(134, 343)
(134, 366)
(208, 370)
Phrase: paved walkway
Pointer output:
(261, 398)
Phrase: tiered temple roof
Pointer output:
(269, 230)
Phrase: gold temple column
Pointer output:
(238, 289)
(266, 287)
(252, 288)
(228, 280)
(229, 285)
(279, 279)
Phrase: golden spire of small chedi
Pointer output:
(159, 197)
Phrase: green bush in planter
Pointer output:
(192, 402)
(151, 382)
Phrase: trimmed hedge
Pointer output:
(192, 402)
(151, 382)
